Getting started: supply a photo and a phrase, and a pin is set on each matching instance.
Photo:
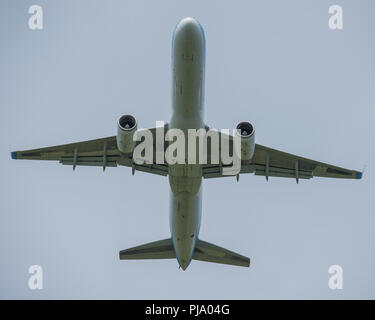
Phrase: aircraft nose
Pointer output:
(189, 26)
(188, 22)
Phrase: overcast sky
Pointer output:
(307, 89)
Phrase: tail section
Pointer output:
(162, 249)
(205, 251)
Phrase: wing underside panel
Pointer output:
(274, 163)
(99, 152)
(266, 162)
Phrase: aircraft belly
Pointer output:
(185, 224)
(188, 55)
(188, 58)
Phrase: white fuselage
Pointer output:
(188, 63)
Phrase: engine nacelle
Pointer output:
(126, 127)
(246, 132)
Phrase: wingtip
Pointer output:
(13, 155)
(358, 175)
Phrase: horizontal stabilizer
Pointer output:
(205, 251)
(162, 249)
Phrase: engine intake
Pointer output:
(126, 127)
(246, 132)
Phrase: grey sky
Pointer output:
(308, 90)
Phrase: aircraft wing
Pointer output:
(99, 152)
(270, 162)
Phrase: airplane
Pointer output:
(188, 65)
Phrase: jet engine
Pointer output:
(246, 132)
(126, 127)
